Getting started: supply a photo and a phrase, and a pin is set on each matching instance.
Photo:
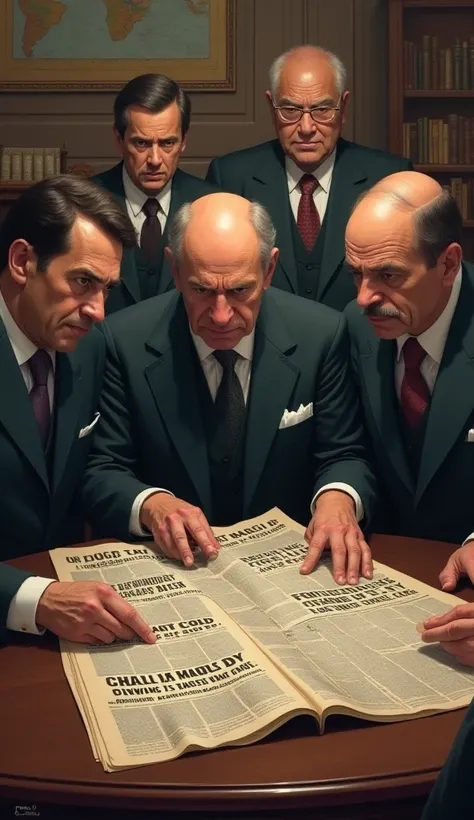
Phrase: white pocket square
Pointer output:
(470, 435)
(89, 427)
(292, 417)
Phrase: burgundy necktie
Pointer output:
(414, 394)
(40, 366)
(150, 236)
(308, 220)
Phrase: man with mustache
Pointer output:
(309, 177)
(227, 397)
(60, 251)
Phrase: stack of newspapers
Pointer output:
(246, 643)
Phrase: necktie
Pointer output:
(308, 221)
(40, 365)
(414, 394)
(150, 236)
(229, 406)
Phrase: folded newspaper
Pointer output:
(246, 643)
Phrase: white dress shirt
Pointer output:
(21, 615)
(213, 373)
(433, 341)
(321, 195)
(135, 200)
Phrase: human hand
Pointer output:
(175, 525)
(334, 526)
(460, 563)
(454, 631)
(90, 612)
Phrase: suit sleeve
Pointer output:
(11, 580)
(340, 444)
(110, 484)
(213, 173)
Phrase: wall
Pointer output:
(354, 29)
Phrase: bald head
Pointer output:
(222, 255)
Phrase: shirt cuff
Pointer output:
(344, 488)
(469, 538)
(134, 521)
(22, 610)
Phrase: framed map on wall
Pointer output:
(98, 45)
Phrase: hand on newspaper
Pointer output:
(460, 563)
(454, 631)
(176, 526)
(334, 526)
(90, 612)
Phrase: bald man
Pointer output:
(309, 177)
(223, 399)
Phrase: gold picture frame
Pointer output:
(216, 72)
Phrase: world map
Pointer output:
(102, 29)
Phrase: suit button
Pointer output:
(309, 290)
(309, 266)
(225, 459)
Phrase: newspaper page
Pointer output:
(204, 684)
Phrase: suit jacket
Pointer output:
(258, 173)
(451, 796)
(38, 507)
(438, 503)
(152, 431)
(184, 188)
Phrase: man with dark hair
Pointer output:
(60, 252)
(309, 177)
(151, 121)
(412, 339)
(232, 397)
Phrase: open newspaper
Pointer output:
(246, 643)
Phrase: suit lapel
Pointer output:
(68, 402)
(346, 179)
(273, 380)
(378, 366)
(271, 190)
(16, 412)
(128, 270)
(172, 381)
(452, 401)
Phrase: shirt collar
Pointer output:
(433, 340)
(23, 348)
(137, 198)
(244, 348)
(323, 172)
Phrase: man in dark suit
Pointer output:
(309, 177)
(412, 341)
(231, 396)
(60, 252)
(151, 122)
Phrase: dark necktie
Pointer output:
(40, 366)
(229, 406)
(150, 236)
(308, 221)
(414, 394)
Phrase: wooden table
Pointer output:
(355, 770)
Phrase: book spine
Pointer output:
(57, 160)
(17, 164)
(49, 164)
(445, 159)
(442, 69)
(465, 66)
(413, 143)
(426, 62)
(434, 63)
(453, 139)
(471, 63)
(28, 165)
(38, 164)
(6, 164)
(448, 70)
(457, 64)
(461, 158)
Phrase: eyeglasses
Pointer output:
(322, 114)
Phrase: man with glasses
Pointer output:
(309, 177)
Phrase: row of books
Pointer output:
(463, 192)
(427, 66)
(448, 141)
(29, 164)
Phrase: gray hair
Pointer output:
(436, 225)
(258, 217)
(338, 67)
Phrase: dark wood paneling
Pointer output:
(354, 29)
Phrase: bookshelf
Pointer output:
(431, 94)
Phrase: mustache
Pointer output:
(382, 311)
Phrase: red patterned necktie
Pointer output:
(150, 236)
(414, 394)
(40, 365)
(308, 221)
